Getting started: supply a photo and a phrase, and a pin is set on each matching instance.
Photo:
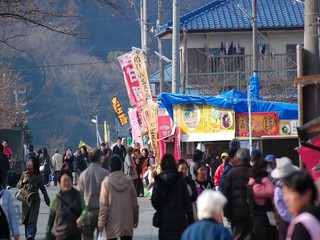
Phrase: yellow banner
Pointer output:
(142, 76)
(206, 119)
(152, 116)
(82, 143)
(119, 111)
(105, 129)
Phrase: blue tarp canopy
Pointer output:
(238, 101)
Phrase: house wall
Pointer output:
(278, 40)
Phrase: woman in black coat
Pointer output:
(171, 199)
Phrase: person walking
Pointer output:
(197, 156)
(119, 209)
(56, 165)
(45, 160)
(230, 163)
(283, 169)
(4, 167)
(300, 195)
(7, 151)
(170, 197)
(68, 160)
(31, 181)
(202, 181)
(129, 168)
(67, 211)
(183, 168)
(138, 161)
(7, 204)
(210, 226)
(89, 185)
(119, 149)
(260, 195)
(218, 173)
(237, 208)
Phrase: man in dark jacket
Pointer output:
(119, 149)
(237, 209)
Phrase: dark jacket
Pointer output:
(226, 170)
(121, 152)
(171, 198)
(237, 207)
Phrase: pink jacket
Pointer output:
(218, 175)
(262, 191)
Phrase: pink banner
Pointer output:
(130, 79)
(164, 126)
(136, 131)
(177, 151)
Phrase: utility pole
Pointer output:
(141, 24)
(160, 47)
(311, 62)
(175, 47)
(145, 47)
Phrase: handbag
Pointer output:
(102, 235)
(19, 195)
(156, 219)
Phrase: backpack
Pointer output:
(310, 222)
(4, 225)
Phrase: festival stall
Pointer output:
(223, 117)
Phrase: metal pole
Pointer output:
(175, 47)
(254, 65)
(254, 36)
(97, 131)
(160, 47)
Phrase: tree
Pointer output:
(12, 98)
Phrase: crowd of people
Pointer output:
(247, 196)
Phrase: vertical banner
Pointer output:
(130, 79)
(177, 150)
(152, 117)
(142, 76)
(136, 131)
(106, 131)
(119, 111)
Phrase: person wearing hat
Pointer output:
(284, 169)
(218, 173)
(271, 160)
(255, 155)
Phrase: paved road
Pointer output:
(145, 230)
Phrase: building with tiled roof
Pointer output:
(216, 45)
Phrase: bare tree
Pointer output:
(12, 98)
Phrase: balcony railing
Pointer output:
(223, 73)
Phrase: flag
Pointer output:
(119, 111)
(82, 143)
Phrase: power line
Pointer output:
(58, 65)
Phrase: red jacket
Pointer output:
(218, 175)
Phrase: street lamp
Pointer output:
(95, 121)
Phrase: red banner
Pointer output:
(130, 79)
(164, 126)
(263, 124)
